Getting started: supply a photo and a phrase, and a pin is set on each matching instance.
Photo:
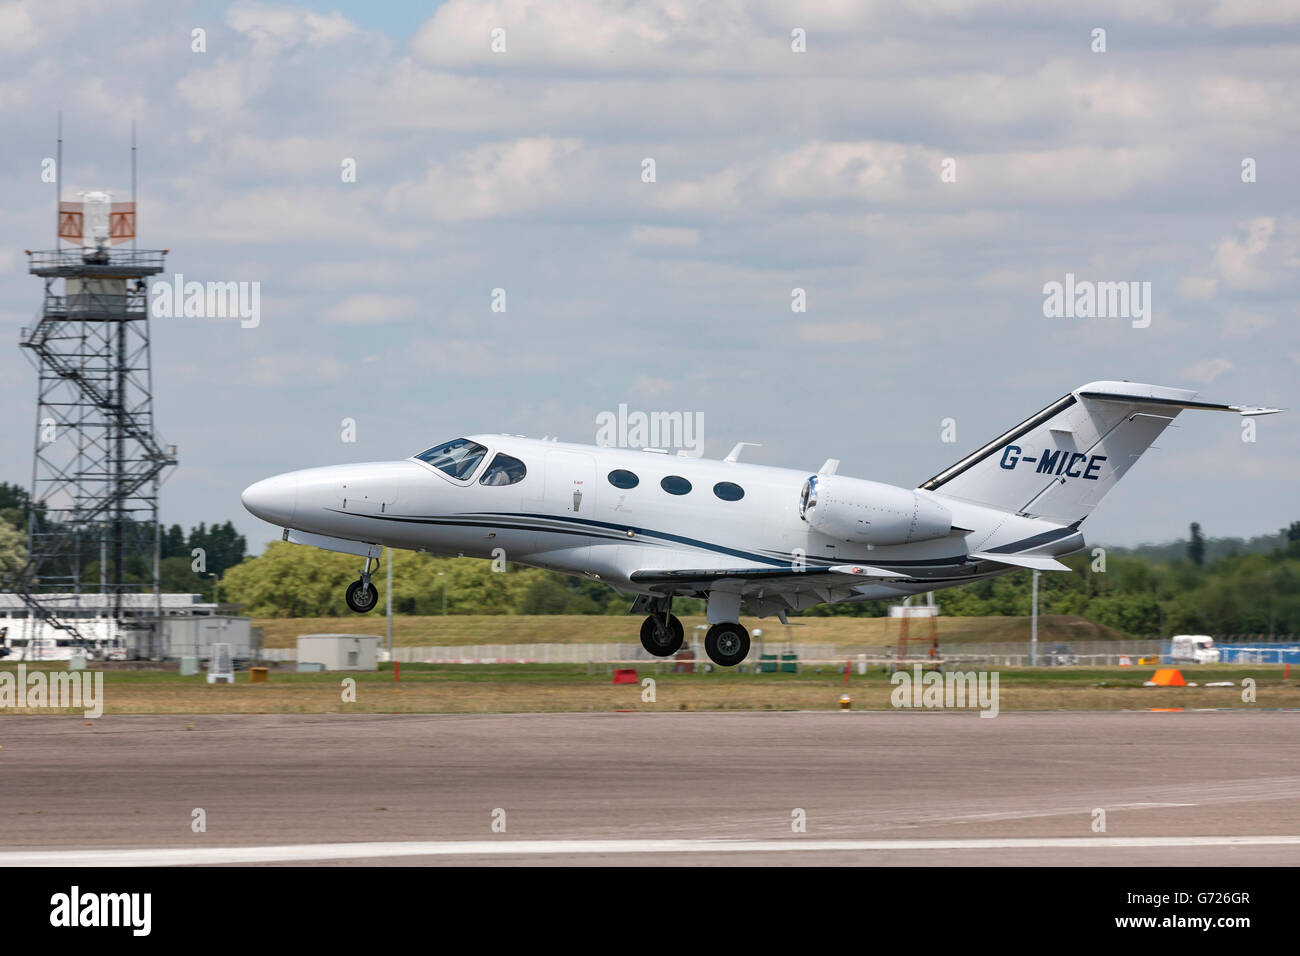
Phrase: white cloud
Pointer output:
(273, 27)
(840, 333)
(223, 84)
(1208, 370)
(714, 192)
(266, 214)
(498, 179)
(1197, 287)
(665, 236)
(1079, 174)
(652, 387)
(582, 34)
(1242, 322)
(1233, 13)
(18, 31)
(370, 308)
(1243, 260)
(226, 78)
(286, 370)
(822, 171)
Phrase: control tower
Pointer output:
(97, 461)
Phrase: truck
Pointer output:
(1193, 649)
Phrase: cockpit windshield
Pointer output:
(457, 458)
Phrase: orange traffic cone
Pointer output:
(1169, 677)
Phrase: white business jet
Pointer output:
(772, 540)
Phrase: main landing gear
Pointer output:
(727, 644)
(661, 632)
(362, 596)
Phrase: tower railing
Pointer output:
(114, 260)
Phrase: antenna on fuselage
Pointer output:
(734, 454)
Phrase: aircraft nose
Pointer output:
(273, 499)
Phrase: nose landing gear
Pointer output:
(362, 596)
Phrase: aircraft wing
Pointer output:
(835, 576)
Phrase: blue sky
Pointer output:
(775, 170)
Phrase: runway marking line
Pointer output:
(299, 853)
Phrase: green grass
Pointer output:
(532, 688)
(460, 629)
(1113, 676)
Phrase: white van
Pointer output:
(1193, 649)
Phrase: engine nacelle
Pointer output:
(852, 509)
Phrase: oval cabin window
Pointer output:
(675, 485)
(620, 478)
(728, 491)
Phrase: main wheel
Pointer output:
(362, 597)
(727, 644)
(659, 640)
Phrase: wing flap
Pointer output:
(839, 575)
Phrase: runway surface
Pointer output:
(653, 789)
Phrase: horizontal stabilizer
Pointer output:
(1128, 397)
(1039, 562)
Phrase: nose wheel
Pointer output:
(662, 634)
(362, 596)
(727, 644)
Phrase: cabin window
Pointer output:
(621, 478)
(504, 470)
(728, 491)
(675, 485)
(457, 458)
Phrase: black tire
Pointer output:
(362, 598)
(658, 641)
(727, 644)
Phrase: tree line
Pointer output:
(1247, 592)
(220, 548)
(1195, 586)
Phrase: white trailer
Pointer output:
(1193, 649)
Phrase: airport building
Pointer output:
(121, 627)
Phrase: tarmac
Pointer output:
(916, 788)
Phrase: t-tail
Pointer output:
(1059, 463)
